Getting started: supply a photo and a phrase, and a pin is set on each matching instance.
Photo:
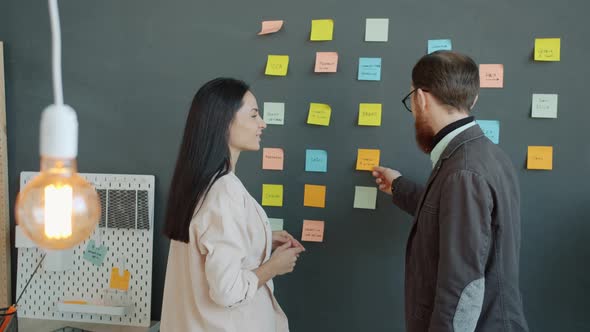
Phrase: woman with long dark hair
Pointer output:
(223, 254)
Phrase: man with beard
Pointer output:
(462, 255)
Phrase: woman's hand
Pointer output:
(281, 237)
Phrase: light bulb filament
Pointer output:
(58, 211)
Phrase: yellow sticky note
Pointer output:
(315, 196)
(319, 114)
(277, 65)
(367, 159)
(369, 114)
(118, 281)
(272, 194)
(540, 157)
(322, 30)
(547, 49)
(313, 231)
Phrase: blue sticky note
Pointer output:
(369, 69)
(316, 161)
(491, 129)
(439, 44)
(95, 255)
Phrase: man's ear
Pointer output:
(474, 102)
(421, 99)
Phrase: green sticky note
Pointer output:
(276, 224)
(94, 254)
(365, 197)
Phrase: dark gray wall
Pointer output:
(131, 68)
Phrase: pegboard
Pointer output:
(126, 227)
(4, 216)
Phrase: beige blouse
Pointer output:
(209, 284)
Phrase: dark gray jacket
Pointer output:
(462, 256)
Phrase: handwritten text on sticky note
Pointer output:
(540, 157)
(367, 159)
(369, 114)
(326, 62)
(491, 128)
(319, 114)
(547, 49)
(491, 76)
(274, 113)
(369, 69)
(316, 160)
(439, 45)
(544, 106)
(94, 254)
(272, 194)
(277, 65)
(313, 231)
(272, 159)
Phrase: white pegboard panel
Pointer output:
(127, 203)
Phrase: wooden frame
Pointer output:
(5, 292)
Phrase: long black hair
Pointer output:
(204, 154)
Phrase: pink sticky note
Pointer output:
(491, 76)
(270, 27)
(313, 231)
(326, 62)
(272, 158)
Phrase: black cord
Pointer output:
(31, 278)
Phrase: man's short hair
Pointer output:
(453, 78)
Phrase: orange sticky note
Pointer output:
(272, 158)
(315, 196)
(491, 76)
(120, 282)
(326, 62)
(367, 159)
(540, 157)
(270, 27)
(313, 231)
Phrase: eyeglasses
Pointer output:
(407, 97)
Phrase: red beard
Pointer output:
(424, 133)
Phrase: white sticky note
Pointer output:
(377, 30)
(544, 106)
(274, 113)
(276, 224)
(59, 260)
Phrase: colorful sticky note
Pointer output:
(118, 281)
(94, 254)
(316, 160)
(365, 197)
(491, 76)
(369, 114)
(377, 29)
(322, 30)
(272, 194)
(315, 196)
(274, 113)
(439, 45)
(544, 106)
(491, 129)
(270, 27)
(540, 157)
(277, 65)
(313, 231)
(547, 49)
(367, 159)
(326, 62)
(276, 224)
(319, 114)
(272, 159)
(369, 69)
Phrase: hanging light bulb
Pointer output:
(58, 209)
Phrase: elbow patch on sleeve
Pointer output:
(469, 306)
